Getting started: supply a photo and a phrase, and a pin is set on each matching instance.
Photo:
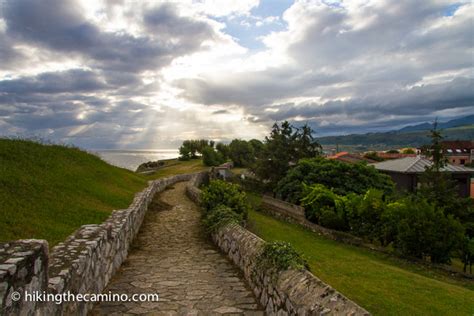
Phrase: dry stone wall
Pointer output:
(83, 263)
(296, 214)
(290, 292)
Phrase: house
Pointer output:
(345, 156)
(223, 171)
(389, 155)
(459, 152)
(405, 172)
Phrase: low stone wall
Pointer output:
(296, 214)
(83, 263)
(284, 208)
(192, 188)
(290, 292)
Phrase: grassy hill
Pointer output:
(48, 191)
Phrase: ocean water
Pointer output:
(131, 159)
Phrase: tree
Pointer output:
(342, 178)
(210, 157)
(424, 231)
(241, 153)
(257, 146)
(438, 187)
(408, 151)
(188, 150)
(373, 156)
(285, 146)
(191, 147)
(223, 149)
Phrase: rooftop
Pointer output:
(415, 165)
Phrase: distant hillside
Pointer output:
(467, 120)
(48, 191)
(410, 136)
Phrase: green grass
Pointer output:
(381, 284)
(175, 166)
(48, 191)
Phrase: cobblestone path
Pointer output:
(172, 257)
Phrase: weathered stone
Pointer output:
(172, 257)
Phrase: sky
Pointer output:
(117, 74)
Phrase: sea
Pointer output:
(131, 159)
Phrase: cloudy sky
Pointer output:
(136, 74)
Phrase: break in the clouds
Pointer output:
(130, 74)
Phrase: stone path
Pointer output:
(172, 257)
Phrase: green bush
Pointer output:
(220, 216)
(221, 193)
(366, 214)
(324, 207)
(423, 231)
(278, 256)
(342, 178)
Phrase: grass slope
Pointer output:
(175, 166)
(382, 285)
(48, 191)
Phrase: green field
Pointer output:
(381, 284)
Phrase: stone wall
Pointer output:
(289, 292)
(284, 208)
(192, 189)
(296, 214)
(83, 263)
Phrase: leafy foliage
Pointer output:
(220, 216)
(342, 177)
(324, 207)
(422, 230)
(241, 153)
(210, 157)
(373, 155)
(278, 256)
(190, 148)
(285, 146)
(221, 193)
(415, 227)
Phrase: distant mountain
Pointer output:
(410, 136)
(467, 120)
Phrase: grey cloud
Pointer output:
(59, 25)
(75, 80)
(363, 73)
(255, 88)
(414, 103)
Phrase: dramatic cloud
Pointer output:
(144, 74)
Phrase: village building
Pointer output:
(345, 156)
(406, 172)
(459, 152)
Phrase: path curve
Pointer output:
(172, 257)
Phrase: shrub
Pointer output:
(342, 178)
(366, 214)
(221, 193)
(278, 256)
(220, 216)
(419, 229)
(324, 207)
